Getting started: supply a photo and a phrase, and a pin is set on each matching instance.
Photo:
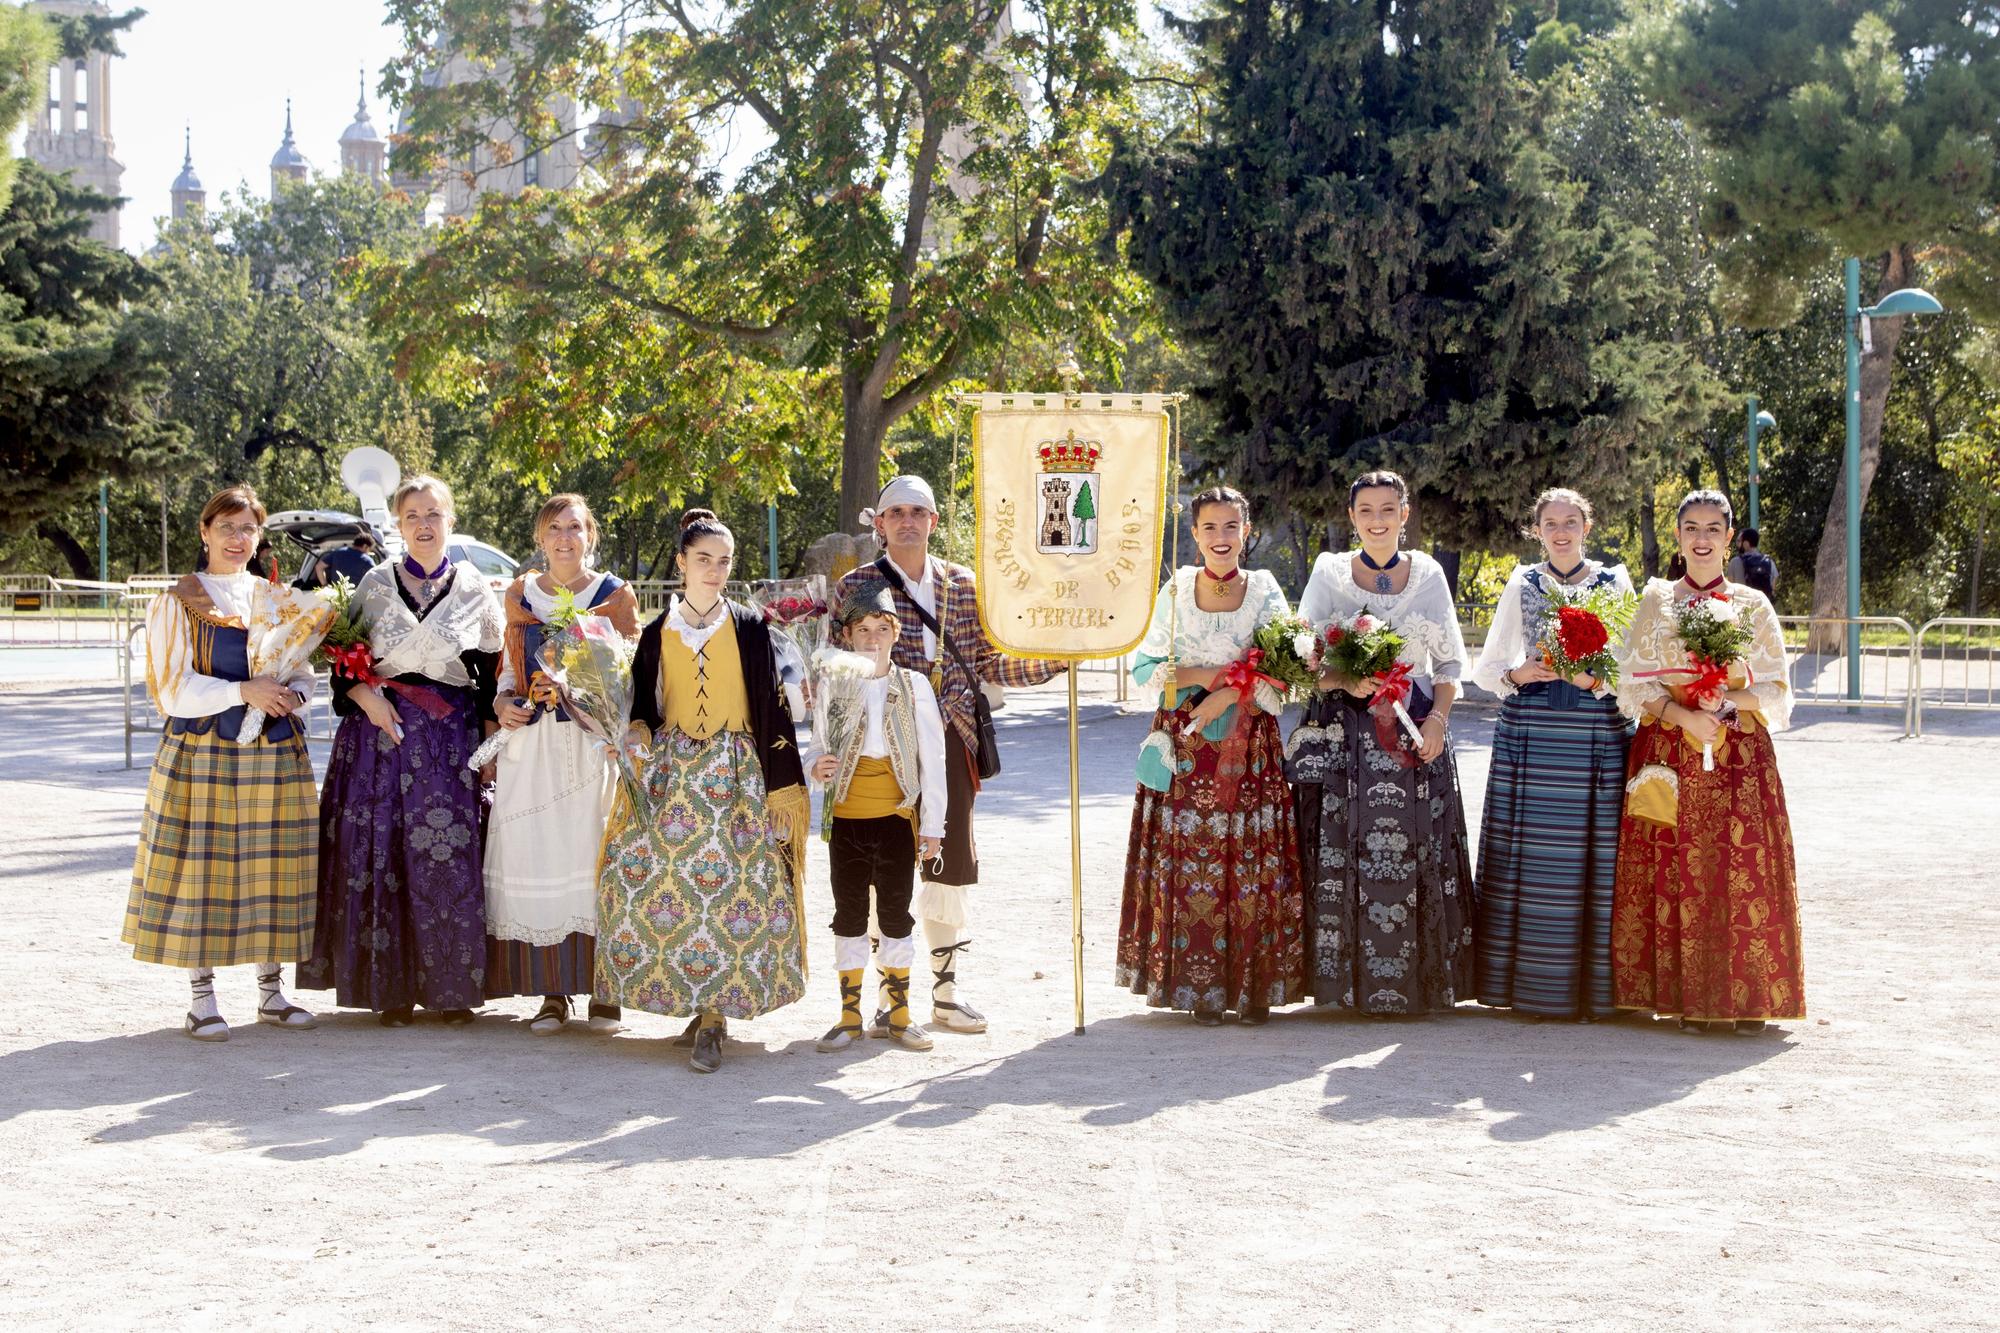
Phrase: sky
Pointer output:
(223, 68)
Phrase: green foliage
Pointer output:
(1384, 267)
(82, 357)
(27, 46)
(1843, 127)
(905, 199)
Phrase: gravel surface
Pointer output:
(1322, 1172)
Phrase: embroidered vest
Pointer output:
(899, 732)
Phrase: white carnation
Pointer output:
(1302, 644)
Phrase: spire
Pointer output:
(187, 194)
(288, 163)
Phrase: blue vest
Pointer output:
(532, 640)
(223, 651)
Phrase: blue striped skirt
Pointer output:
(1548, 855)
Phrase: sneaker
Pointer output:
(605, 1018)
(707, 1056)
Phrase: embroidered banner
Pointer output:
(1069, 505)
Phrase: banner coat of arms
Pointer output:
(1070, 497)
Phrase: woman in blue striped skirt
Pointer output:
(1548, 845)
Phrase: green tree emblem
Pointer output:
(1084, 510)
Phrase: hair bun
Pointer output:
(694, 516)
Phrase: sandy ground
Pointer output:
(1466, 1171)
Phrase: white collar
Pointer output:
(695, 636)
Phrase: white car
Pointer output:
(319, 531)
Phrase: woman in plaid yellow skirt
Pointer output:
(228, 843)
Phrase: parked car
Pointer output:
(319, 532)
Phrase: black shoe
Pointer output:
(1750, 1026)
(605, 1018)
(688, 1033)
(1208, 1018)
(707, 1057)
(1256, 1016)
(399, 1017)
(457, 1018)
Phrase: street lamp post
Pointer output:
(1902, 301)
(1759, 422)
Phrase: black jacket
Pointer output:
(770, 724)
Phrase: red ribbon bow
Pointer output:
(1392, 687)
(357, 662)
(1233, 759)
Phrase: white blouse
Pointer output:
(543, 604)
(466, 616)
(1423, 612)
(1654, 644)
(1210, 638)
(1520, 616)
(178, 690)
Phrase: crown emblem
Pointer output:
(1069, 454)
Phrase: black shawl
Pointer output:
(770, 723)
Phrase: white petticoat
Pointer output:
(551, 801)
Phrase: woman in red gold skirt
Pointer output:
(1705, 917)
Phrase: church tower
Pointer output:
(288, 163)
(72, 132)
(363, 152)
(189, 198)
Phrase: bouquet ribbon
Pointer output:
(1392, 687)
(1233, 760)
(357, 662)
(1710, 680)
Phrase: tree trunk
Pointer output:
(81, 566)
(1649, 534)
(864, 423)
(1830, 569)
(1978, 556)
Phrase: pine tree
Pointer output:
(1384, 268)
(1844, 127)
(1085, 511)
(81, 361)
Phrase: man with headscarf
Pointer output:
(934, 596)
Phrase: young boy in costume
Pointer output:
(878, 738)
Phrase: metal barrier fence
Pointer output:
(1888, 671)
(40, 612)
(1976, 667)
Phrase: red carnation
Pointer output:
(1580, 632)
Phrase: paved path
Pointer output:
(1322, 1172)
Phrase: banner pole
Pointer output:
(1075, 853)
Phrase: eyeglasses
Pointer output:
(244, 530)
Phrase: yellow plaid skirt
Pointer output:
(228, 854)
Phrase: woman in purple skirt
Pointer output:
(402, 904)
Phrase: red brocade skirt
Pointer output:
(1213, 913)
(1705, 916)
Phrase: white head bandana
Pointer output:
(904, 490)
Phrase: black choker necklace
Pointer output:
(1382, 581)
(1565, 575)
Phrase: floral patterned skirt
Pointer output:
(696, 908)
(1389, 889)
(402, 907)
(1705, 915)
(1212, 917)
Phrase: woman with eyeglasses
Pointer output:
(228, 842)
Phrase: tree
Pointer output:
(1973, 456)
(82, 361)
(27, 45)
(1848, 127)
(1385, 268)
(1085, 510)
(908, 192)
